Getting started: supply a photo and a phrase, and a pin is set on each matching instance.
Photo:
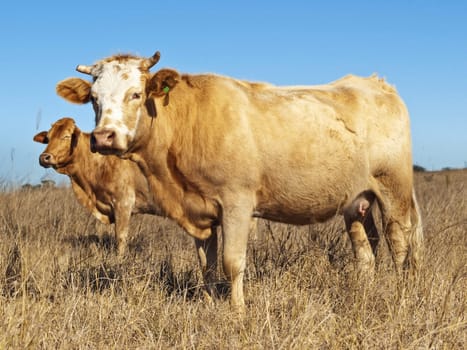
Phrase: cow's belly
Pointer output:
(296, 217)
(301, 210)
(145, 205)
(303, 197)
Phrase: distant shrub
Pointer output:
(418, 168)
(48, 183)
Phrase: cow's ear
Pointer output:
(75, 137)
(162, 82)
(41, 137)
(75, 90)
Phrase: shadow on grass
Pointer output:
(106, 241)
(118, 277)
(117, 274)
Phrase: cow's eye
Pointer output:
(66, 137)
(136, 96)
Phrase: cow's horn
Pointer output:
(149, 62)
(84, 69)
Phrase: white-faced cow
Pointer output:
(217, 149)
(112, 189)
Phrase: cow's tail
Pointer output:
(416, 235)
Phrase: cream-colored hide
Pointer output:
(217, 149)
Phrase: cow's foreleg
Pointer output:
(207, 255)
(236, 219)
(122, 224)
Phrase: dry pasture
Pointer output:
(62, 286)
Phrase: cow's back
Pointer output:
(327, 143)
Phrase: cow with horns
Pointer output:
(221, 150)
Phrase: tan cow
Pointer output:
(220, 149)
(110, 188)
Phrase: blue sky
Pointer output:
(420, 46)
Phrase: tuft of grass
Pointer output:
(62, 285)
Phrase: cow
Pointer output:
(220, 150)
(109, 187)
(112, 189)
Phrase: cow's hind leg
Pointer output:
(397, 242)
(207, 255)
(398, 233)
(401, 222)
(362, 230)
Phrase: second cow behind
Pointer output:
(112, 189)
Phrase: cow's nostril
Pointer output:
(110, 135)
(45, 157)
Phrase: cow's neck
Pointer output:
(155, 158)
(80, 169)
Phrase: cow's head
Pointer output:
(61, 140)
(122, 91)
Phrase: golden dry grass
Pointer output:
(61, 285)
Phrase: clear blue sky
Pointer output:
(420, 46)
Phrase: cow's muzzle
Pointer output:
(103, 140)
(47, 160)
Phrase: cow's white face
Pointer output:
(117, 95)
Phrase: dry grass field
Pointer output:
(62, 286)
